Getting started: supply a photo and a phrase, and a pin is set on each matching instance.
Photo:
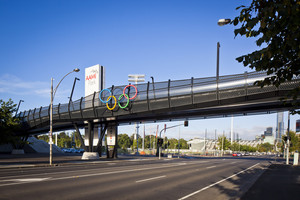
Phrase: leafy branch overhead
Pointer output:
(276, 25)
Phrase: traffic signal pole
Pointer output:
(165, 128)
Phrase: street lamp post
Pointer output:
(222, 22)
(19, 106)
(73, 88)
(52, 94)
(136, 78)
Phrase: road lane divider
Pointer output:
(150, 179)
(211, 167)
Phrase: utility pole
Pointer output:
(205, 141)
(178, 140)
(215, 141)
(223, 144)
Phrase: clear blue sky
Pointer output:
(166, 39)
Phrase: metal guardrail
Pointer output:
(168, 94)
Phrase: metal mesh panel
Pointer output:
(31, 115)
(44, 111)
(63, 108)
(232, 93)
(181, 100)
(36, 114)
(183, 87)
(157, 94)
(205, 97)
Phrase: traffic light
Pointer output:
(186, 123)
(160, 142)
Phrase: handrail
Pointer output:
(170, 89)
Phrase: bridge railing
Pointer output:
(156, 96)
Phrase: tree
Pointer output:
(223, 142)
(63, 140)
(9, 124)
(44, 137)
(294, 142)
(235, 146)
(183, 144)
(276, 23)
(265, 147)
(149, 139)
(173, 143)
(124, 141)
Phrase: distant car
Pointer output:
(234, 154)
(238, 154)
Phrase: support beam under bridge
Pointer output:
(95, 132)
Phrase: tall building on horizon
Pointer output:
(280, 126)
(268, 131)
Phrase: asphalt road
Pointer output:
(148, 178)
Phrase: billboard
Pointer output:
(298, 125)
(94, 79)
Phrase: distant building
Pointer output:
(269, 132)
(269, 139)
(298, 125)
(209, 144)
(280, 127)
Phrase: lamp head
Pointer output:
(223, 22)
(76, 70)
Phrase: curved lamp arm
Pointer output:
(75, 70)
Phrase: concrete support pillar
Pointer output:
(112, 141)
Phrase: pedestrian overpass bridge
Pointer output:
(195, 98)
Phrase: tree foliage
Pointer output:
(64, 140)
(223, 143)
(9, 124)
(294, 142)
(276, 24)
(124, 141)
(265, 147)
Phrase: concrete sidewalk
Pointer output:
(279, 181)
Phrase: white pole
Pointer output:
(51, 118)
(178, 141)
(231, 131)
(56, 139)
(144, 139)
(288, 141)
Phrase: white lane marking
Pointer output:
(210, 167)
(29, 179)
(102, 173)
(149, 179)
(16, 166)
(216, 183)
(233, 162)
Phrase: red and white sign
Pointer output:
(93, 79)
(111, 135)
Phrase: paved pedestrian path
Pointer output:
(279, 181)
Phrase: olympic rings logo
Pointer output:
(112, 97)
